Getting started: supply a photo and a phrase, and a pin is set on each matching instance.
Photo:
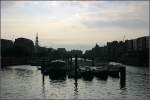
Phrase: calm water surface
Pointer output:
(25, 82)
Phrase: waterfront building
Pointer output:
(147, 42)
(75, 52)
(23, 47)
(129, 45)
(6, 47)
(135, 48)
(61, 50)
(141, 43)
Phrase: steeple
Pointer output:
(36, 40)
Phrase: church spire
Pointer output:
(36, 40)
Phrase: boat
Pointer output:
(57, 66)
(86, 73)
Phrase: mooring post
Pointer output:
(71, 60)
(43, 70)
(43, 78)
(76, 59)
(43, 66)
(122, 77)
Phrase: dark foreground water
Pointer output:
(25, 82)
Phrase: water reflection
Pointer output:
(43, 86)
(114, 74)
(122, 84)
(88, 76)
(57, 75)
(122, 78)
(60, 76)
(43, 79)
(102, 77)
(76, 88)
(26, 82)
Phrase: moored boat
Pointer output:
(54, 66)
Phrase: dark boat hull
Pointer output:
(55, 66)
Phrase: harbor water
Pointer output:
(25, 82)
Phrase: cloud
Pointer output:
(133, 16)
(122, 23)
(75, 22)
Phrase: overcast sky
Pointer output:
(74, 24)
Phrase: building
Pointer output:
(147, 42)
(23, 47)
(6, 44)
(75, 52)
(138, 44)
(61, 50)
(6, 47)
(135, 47)
(141, 43)
(129, 45)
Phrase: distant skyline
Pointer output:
(74, 24)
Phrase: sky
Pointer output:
(74, 24)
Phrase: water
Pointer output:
(25, 82)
